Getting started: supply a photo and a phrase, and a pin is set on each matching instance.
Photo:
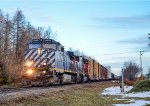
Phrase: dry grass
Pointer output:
(82, 95)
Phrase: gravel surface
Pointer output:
(9, 95)
(16, 95)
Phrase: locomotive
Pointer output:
(46, 62)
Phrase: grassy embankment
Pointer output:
(141, 86)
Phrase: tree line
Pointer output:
(15, 32)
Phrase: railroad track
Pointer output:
(7, 90)
(25, 88)
(10, 89)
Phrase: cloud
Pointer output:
(142, 48)
(139, 40)
(139, 21)
(138, 43)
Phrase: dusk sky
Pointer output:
(110, 31)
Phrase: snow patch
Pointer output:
(137, 103)
(117, 91)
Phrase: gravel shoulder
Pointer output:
(19, 94)
(35, 93)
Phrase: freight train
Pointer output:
(46, 62)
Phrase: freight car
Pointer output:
(47, 62)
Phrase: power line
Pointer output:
(115, 53)
(120, 53)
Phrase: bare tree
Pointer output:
(1, 27)
(19, 23)
(48, 34)
(7, 33)
(40, 31)
(131, 70)
(70, 49)
(15, 32)
(77, 52)
(108, 67)
(2, 22)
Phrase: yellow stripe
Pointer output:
(53, 69)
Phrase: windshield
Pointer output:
(33, 46)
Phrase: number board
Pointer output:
(49, 46)
(36, 41)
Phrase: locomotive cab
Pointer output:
(40, 60)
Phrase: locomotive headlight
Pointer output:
(29, 63)
(44, 72)
(44, 64)
(29, 72)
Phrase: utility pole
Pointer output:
(122, 82)
(141, 53)
(149, 38)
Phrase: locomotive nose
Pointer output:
(29, 63)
